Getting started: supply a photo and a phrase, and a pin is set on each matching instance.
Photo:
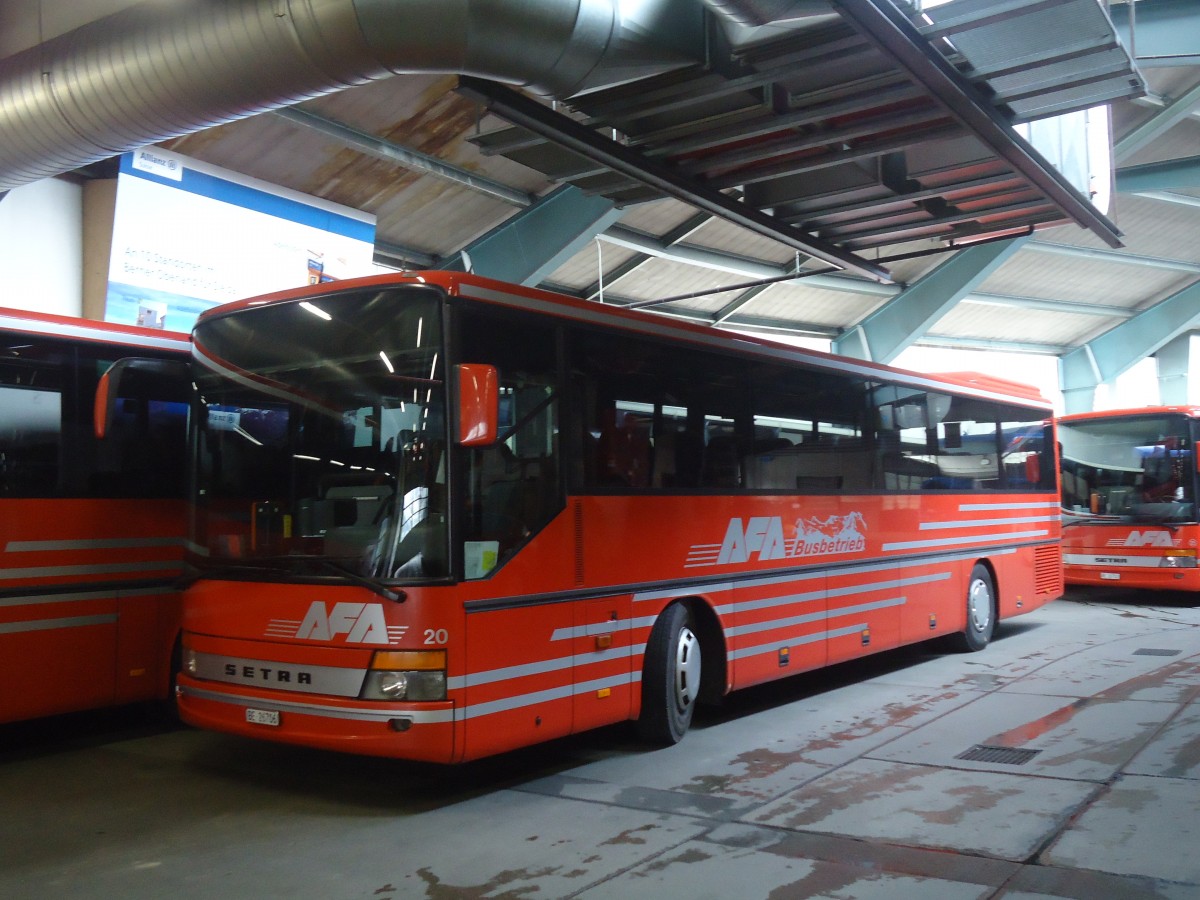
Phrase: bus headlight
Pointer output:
(1178, 559)
(406, 675)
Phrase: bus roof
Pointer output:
(91, 330)
(1184, 410)
(502, 293)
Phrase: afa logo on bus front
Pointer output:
(762, 538)
(360, 623)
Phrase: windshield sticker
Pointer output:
(764, 538)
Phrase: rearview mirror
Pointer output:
(478, 404)
(152, 379)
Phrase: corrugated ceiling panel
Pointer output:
(718, 234)
(1050, 276)
(813, 306)
(583, 269)
(666, 279)
(423, 113)
(986, 322)
(657, 217)
(1160, 229)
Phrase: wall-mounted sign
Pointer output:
(188, 236)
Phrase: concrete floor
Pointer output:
(845, 784)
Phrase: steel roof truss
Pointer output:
(896, 36)
(529, 114)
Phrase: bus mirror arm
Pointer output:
(157, 379)
(478, 404)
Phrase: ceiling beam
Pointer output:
(1104, 358)
(527, 247)
(897, 37)
(1164, 32)
(1159, 176)
(684, 229)
(566, 132)
(1113, 256)
(690, 254)
(1057, 306)
(900, 322)
(404, 157)
(397, 256)
(1157, 125)
(727, 311)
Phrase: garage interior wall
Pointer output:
(41, 247)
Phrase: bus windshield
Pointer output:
(321, 436)
(1131, 468)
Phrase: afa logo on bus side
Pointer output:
(763, 538)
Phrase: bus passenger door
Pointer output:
(148, 623)
(603, 687)
(518, 684)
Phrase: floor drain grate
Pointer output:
(1155, 651)
(1005, 756)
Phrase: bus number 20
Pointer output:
(436, 636)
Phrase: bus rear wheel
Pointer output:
(670, 677)
(981, 611)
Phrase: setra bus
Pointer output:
(91, 526)
(1129, 497)
(439, 517)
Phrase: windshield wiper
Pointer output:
(286, 565)
(371, 584)
(1151, 519)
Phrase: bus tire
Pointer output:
(670, 678)
(981, 611)
(168, 706)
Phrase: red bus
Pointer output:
(439, 516)
(1129, 497)
(91, 529)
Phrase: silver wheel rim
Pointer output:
(979, 606)
(687, 669)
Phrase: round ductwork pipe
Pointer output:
(159, 70)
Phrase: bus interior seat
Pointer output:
(722, 461)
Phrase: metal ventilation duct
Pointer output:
(751, 13)
(160, 70)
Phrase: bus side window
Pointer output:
(623, 447)
(657, 418)
(30, 433)
(143, 453)
(31, 413)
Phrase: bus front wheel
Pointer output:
(670, 677)
(981, 611)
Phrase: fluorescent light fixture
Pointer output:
(316, 311)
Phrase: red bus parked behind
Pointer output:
(91, 530)
(1129, 498)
